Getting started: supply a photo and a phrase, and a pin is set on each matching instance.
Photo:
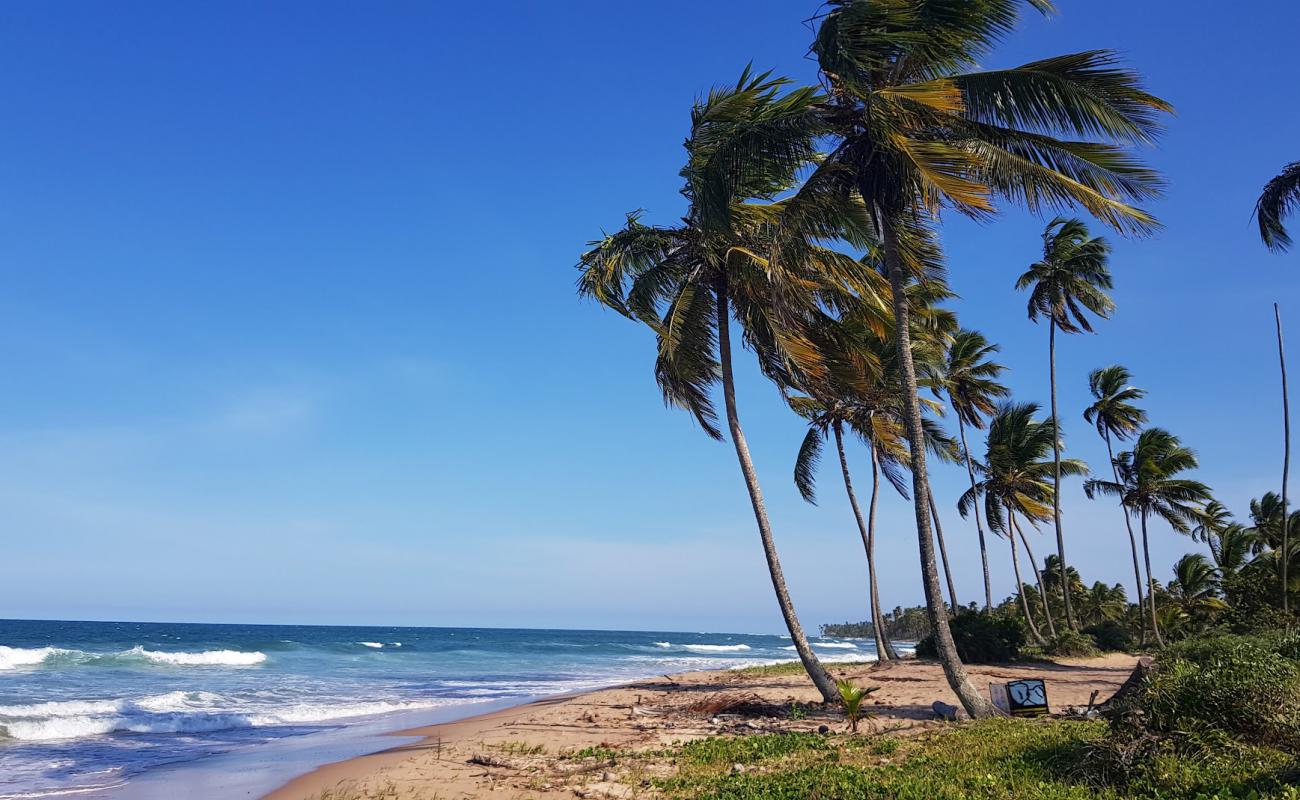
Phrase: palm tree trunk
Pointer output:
(1056, 481)
(889, 652)
(866, 531)
(953, 669)
(825, 685)
(1132, 542)
(979, 526)
(943, 553)
(1286, 466)
(1020, 584)
(1151, 583)
(1042, 590)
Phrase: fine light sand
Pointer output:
(528, 751)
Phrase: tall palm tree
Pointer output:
(969, 377)
(916, 131)
(1116, 417)
(1270, 538)
(871, 409)
(1147, 485)
(1280, 197)
(688, 282)
(1016, 483)
(1071, 279)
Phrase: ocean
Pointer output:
(91, 708)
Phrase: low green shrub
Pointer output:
(1210, 691)
(1112, 636)
(981, 638)
(1068, 643)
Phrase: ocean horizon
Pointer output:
(91, 707)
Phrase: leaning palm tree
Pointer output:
(868, 406)
(1147, 485)
(915, 132)
(1016, 483)
(1116, 417)
(969, 376)
(1280, 197)
(1071, 279)
(688, 282)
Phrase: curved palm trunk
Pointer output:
(1151, 583)
(867, 530)
(943, 553)
(1042, 590)
(822, 679)
(953, 669)
(979, 526)
(1056, 484)
(1020, 584)
(1286, 466)
(889, 652)
(1132, 542)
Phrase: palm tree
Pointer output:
(1116, 416)
(1103, 603)
(872, 411)
(1015, 483)
(688, 282)
(1270, 538)
(1195, 588)
(1071, 279)
(1230, 547)
(915, 132)
(969, 377)
(1280, 197)
(1052, 579)
(1146, 485)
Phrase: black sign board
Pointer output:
(1027, 698)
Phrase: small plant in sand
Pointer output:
(852, 697)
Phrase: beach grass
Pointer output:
(990, 760)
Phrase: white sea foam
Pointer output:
(173, 712)
(14, 657)
(715, 648)
(206, 658)
(663, 644)
(375, 645)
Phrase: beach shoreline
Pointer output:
(536, 746)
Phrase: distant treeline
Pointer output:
(902, 623)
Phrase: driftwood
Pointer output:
(944, 711)
(484, 760)
(1130, 686)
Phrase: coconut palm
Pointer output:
(1268, 539)
(1102, 603)
(1280, 197)
(688, 282)
(1147, 485)
(1052, 579)
(870, 409)
(1071, 279)
(1116, 417)
(1195, 588)
(1230, 547)
(1016, 483)
(968, 376)
(916, 131)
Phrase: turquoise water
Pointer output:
(92, 705)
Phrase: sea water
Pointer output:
(88, 707)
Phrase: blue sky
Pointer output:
(290, 335)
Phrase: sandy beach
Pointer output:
(537, 748)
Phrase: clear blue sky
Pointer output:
(289, 333)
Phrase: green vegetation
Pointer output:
(852, 696)
(989, 760)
